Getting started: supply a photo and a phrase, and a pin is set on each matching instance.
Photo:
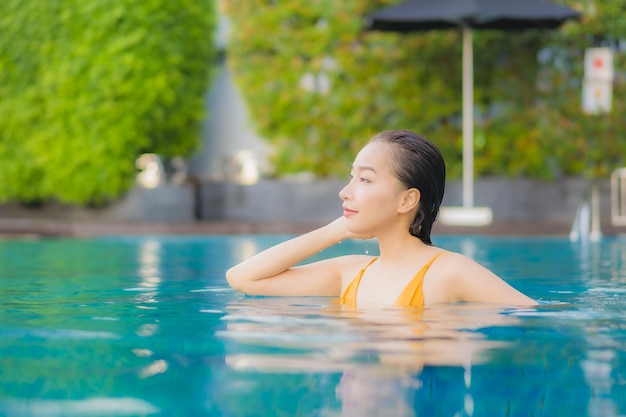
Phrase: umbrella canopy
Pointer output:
(509, 15)
(420, 15)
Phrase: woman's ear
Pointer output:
(410, 200)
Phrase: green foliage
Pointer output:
(529, 120)
(276, 46)
(591, 145)
(88, 85)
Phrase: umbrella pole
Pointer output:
(468, 118)
(467, 214)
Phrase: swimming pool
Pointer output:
(148, 326)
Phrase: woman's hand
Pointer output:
(340, 226)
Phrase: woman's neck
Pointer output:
(398, 247)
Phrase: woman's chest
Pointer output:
(384, 287)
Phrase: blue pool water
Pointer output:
(147, 325)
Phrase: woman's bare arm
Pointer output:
(470, 281)
(273, 271)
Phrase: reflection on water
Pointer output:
(150, 256)
(372, 392)
(244, 249)
(335, 336)
(378, 353)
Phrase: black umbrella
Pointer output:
(423, 15)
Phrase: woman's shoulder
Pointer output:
(350, 265)
(450, 257)
(345, 262)
(457, 269)
(453, 264)
(353, 261)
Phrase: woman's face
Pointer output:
(372, 197)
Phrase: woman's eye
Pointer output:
(361, 179)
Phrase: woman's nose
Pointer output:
(343, 194)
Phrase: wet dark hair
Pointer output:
(418, 163)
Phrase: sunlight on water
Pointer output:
(79, 408)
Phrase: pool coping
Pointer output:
(21, 227)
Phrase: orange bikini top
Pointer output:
(411, 296)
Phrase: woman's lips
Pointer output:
(348, 212)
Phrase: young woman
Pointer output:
(394, 194)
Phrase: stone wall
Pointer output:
(514, 200)
(168, 203)
(510, 199)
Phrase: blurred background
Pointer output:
(201, 112)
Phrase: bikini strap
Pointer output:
(434, 258)
(369, 263)
(413, 295)
(349, 295)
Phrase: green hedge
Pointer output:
(88, 85)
